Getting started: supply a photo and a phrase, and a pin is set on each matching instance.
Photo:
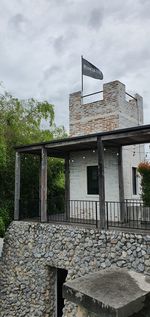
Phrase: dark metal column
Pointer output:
(67, 187)
(43, 186)
(17, 186)
(39, 214)
(101, 183)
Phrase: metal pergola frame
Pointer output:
(62, 149)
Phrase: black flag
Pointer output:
(90, 70)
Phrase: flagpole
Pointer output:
(81, 75)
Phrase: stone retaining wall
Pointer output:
(32, 251)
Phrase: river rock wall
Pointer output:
(33, 251)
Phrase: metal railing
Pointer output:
(131, 96)
(92, 94)
(127, 214)
(59, 210)
(77, 211)
(29, 209)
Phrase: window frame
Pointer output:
(89, 191)
(134, 181)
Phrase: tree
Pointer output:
(20, 123)
(144, 170)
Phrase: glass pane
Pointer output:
(92, 180)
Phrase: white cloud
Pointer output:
(41, 42)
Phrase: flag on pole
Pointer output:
(90, 70)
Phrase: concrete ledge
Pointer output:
(112, 292)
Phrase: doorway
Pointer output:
(61, 278)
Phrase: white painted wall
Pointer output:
(132, 156)
(78, 175)
(79, 161)
(78, 179)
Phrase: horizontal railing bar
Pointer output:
(94, 93)
(89, 200)
(131, 96)
(133, 200)
(84, 200)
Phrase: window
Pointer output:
(92, 180)
(134, 180)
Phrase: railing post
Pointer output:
(101, 183)
(107, 215)
(96, 214)
(43, 187)
(17, 186)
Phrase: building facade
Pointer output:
(40, 253)
(113, 112)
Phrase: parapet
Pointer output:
(114, 111)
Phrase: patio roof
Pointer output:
(115, 138)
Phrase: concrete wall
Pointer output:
(78, 174)
(78, 181)
(132, 156)
(32, 251)
(113, 112)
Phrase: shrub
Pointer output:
(4, 214)
(2, 227)
(5, 218)
(144, 170)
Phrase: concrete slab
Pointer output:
(112, 292)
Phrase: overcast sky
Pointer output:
(41, 43)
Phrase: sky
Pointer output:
(41, 43)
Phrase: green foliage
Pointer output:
(5, 215)
(21, 123)
(4, 219)
(144, 170)
(2, 227)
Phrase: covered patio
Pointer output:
(101, 213)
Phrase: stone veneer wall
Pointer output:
(32, 251)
